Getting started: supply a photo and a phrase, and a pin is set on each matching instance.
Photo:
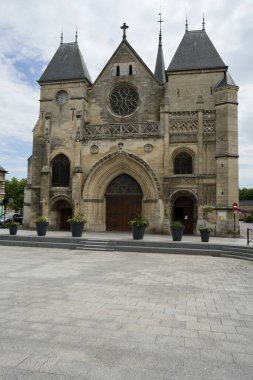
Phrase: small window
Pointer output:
(118, 71)
(60, 171)
(130, 69)
(183, 164)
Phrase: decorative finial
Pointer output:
(186, 24)
(76, 36)
(160, 21)
(203, 22)
(62, 36)
(124, 27)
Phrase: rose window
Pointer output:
(124, 100)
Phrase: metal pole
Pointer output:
(247, 236)
(234, 225)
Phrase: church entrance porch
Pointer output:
(60, 211)
(184, 209)
(123, 202)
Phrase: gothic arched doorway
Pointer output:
(123, 201)
(60, 211)
(183, 210)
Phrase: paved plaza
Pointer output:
(69, 314)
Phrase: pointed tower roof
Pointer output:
(196, 52)
(226, 81)
(160, 66)
(66, 64)
(2, 170)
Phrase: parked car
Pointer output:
(10, 217)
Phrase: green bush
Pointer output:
(249, 219)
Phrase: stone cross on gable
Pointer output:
(124, 27)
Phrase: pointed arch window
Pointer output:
(60, 171)
(183, 164)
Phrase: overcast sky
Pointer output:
(30, 34)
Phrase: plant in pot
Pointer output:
(13, 227)
(41, 225)
(138, 224)
(76, 225)
(205, 233)
(177, 229)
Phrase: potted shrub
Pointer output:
(177, 229)
(77, 224)
(13, 227)
(41, 225)
(138, 224)
(205, 233)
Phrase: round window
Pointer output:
(124, 100)
(61, 97)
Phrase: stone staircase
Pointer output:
(95, 245)
(131, 246)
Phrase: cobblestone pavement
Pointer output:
(76, 315)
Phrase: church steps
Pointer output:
(133, 246)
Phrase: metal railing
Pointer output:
(248, 236)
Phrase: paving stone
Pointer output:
(243, 359)
(75, 315)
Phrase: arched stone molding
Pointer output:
(59, 197)
(182, 149)
(56, 152)
(183, 193)
(101, 175)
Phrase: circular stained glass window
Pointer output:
(124, 100)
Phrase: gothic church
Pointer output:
(163, 143)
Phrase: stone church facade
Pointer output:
(163, 143)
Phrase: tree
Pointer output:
(245, 194)
(14, 192)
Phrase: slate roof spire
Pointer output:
(66, 64)
(196, 52)
(160, 67)
(203, 22)
(76, 36)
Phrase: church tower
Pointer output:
(54, 167)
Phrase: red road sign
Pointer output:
(235, 206)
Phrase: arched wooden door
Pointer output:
(123, 201)
(183, 210)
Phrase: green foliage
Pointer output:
(140, 221)
(207, 209)
(205, 229)
(176, 225)
(249, 219)
(245, 194)
(79, 218)
(41, 219)
(14, 191)
(9, 224)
